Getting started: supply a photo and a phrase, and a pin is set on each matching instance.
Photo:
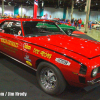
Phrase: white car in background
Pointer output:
(97, 25)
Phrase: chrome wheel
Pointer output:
(48, 79)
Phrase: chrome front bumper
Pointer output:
(93, 81)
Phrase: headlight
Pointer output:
(94, 72)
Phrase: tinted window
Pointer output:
(40, 28)
(11, 27)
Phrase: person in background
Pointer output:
(24, 16)
(43, 17)
(80, 21)
(50, 17)
(4, 16)
(76, 23)
(29, 16)
(9, 16)
(68, 22)
(72, 22)
(18, 16)
(46, 16)
(90, 24)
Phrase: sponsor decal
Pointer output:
(29, 63)
(8, 42)
(9, 48)
(27, 58)
(26, 46)
(42, 53)
(62, 61)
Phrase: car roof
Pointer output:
(25, 19)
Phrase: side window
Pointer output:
(11, 27)
(30, 28)
(2, 25)
(16, 30)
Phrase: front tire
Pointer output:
(50, 78)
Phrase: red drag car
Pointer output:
(58, 59)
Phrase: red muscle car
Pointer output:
(60, 60)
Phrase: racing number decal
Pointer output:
(27, 47)
(42, 53)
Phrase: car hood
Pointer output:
(84, 47)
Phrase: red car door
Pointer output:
(11, 40)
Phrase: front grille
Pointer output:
(96, 80)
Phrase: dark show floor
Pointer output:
(15, 77)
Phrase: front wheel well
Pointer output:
(38, 62)
(41, 60)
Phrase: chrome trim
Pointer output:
(92, 82)
(48, 79)
(18, 61)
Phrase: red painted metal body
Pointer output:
(77, 51)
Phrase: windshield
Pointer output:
(34, 28)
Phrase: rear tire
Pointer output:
(50, 78)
